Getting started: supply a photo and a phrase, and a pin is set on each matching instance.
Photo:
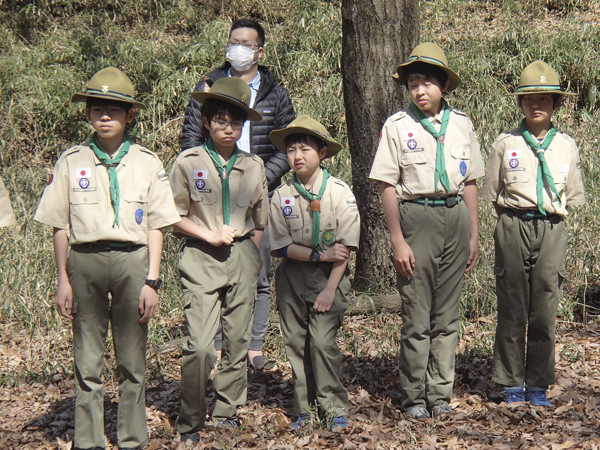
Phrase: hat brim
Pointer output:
(541, 91)
(253, 115)
(452, 76)
(82, 98)
(278, 139)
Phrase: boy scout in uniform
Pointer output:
(220, 193)
(110, 199)
(533, 176)
(7, 217)
(314, 227)
(427, 163)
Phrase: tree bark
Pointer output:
(377, 36)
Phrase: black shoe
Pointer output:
(194, 437)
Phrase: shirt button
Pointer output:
(328, 225)
(85, 199)
(141, 197)
(307, 231)
(514, 178)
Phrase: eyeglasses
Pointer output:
(246, 44)
(111, 111)
(221, 125)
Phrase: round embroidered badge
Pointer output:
(287, 210)
(513, 163)
(328, 238)
(200, 184)
(84, 183)
(412, 144)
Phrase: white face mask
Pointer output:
(241, 58)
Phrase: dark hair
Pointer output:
(103, 102)
(249, 23)
(212, 108)
(306, 139)
(425, 71)
(555, 98)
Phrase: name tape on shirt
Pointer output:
(83, 172)
(287, 201)
(514, 154)
(564, 168)
(410, 134)
(200, 174)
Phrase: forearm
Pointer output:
(337, 272)
(190, 228)
(390, 210)
(61, 249)
(257, 238)
(155, 244)
(299, 252)
(472, 202)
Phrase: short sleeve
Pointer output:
(180, 188)
(53, 209)
(493, 184)
(574, 190)
(279, 235)
(386, 165)
(7, 217)
(260, 211)
(477, 165)
(348, 219)
(161, 207)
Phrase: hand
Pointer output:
(404, 259)
(223, 236)
(148, 305)
(473, 253)
(64, 299)
(324, 300)
(339, 252)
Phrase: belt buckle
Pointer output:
(451, 201)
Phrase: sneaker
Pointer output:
(339, 423)
(229, 423)
(194, 437)
(536, 396)
(513, 395)
(417, 412)
(441, 409)
(299, 421)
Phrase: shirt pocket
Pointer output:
(135, 215)
(516, 178)
(328, 228)
(85, 211)
(206, 196)
(461, 152)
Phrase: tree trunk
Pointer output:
(377, 36)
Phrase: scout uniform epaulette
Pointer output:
(399, 115)
(457, 111)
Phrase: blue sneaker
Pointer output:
(513, 394)
(339, 423)
(299, 421)
(536, 396)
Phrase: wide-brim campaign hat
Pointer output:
(428, 53)
(539, 78)
(305, 125)
(232, 90)
(110, 84)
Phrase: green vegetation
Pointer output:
(50, 48)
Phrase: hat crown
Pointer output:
(428, 50)
(307, 122)
(234, 88)
(111, 80)
(538, 75)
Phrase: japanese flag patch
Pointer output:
(200, 174)
(513, 154)
(83, 172)
(410, 134)
(287, 201)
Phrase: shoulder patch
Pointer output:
(569, 138)
(397, 116)
(145, 150)
(460, 113)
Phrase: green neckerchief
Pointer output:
(543, 171)
(440, 160)
(115, 193)
(224, 174)
(316, 218)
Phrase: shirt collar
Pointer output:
(254, 84)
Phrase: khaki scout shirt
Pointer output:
(511, 175)
(406, 155)
(198, 192)
(7, 216)
(77, 197)
(291, 220)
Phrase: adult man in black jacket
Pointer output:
(270, 99)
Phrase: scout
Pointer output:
(7, 217)
(221, 195)
(427, 164)
(110, 199)
(533, 176)
(314, 227)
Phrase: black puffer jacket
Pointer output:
(272, 102)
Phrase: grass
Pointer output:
(49, 49)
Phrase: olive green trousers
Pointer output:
(439, 239)
(219, 285)
(529, 268)
(310, 337)
(94, 275)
